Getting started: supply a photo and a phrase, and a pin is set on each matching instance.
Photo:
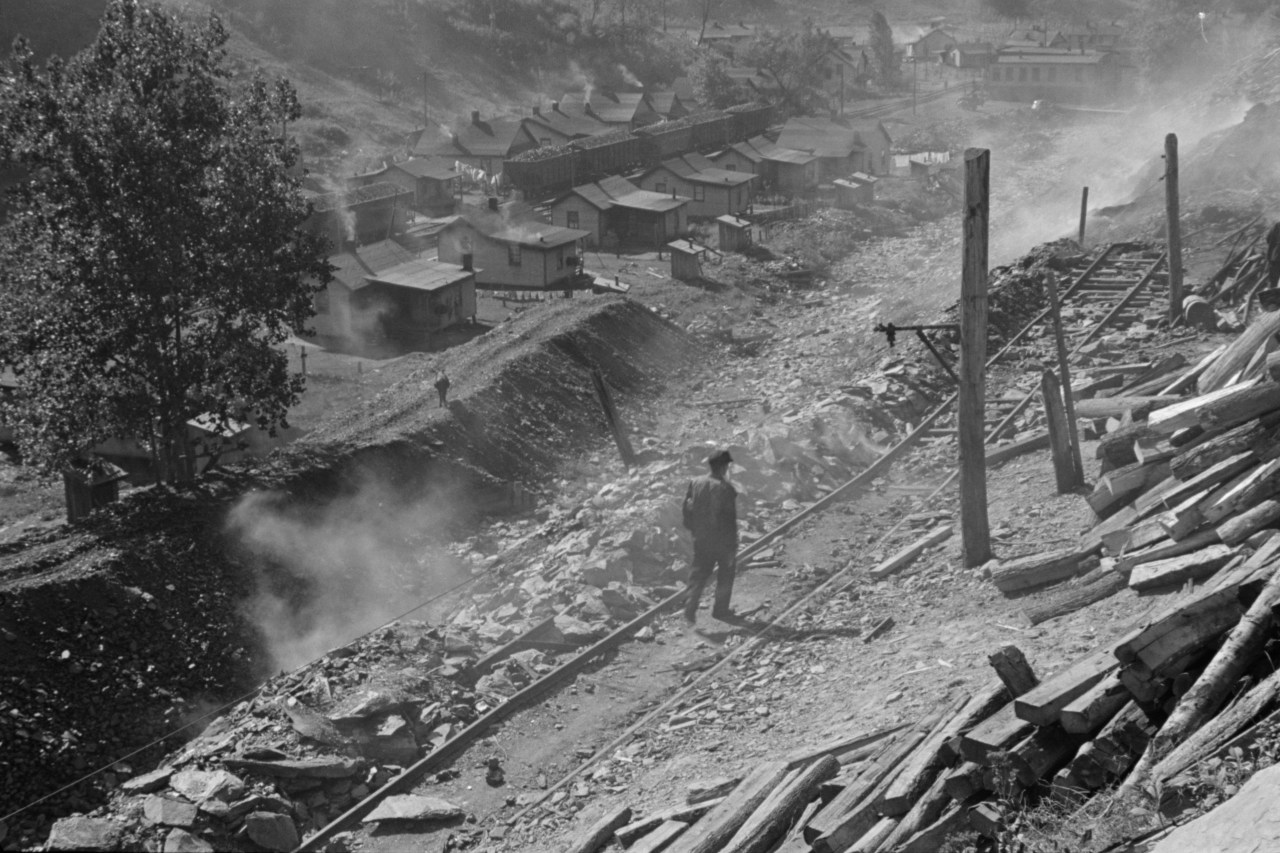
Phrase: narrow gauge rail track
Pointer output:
(1122, 279)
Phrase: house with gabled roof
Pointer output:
(841, 145)
(433, 182)
(615, 206)
(970, 55)
(668, 104)
(480, 143)
(553, 126)
(726, 37)
(932, 45)
(711, 191)
(783, 170)
(620, 109)
(515, 254)
(361, 214)
(383, 294)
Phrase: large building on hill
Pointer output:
(1060, 76)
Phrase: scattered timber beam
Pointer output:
(932, 838)
(1001, 731)
(928, 807)
(1117, 447)
(921, 767)
(1036, 570)
(1072, 600)
(1043, 704)
(1240, 351)
(1064, 468)
(1013, 670)
(1246, 491)
(1165, 549)
(1245, 438)
(599, 833)
(1240, 407)
(964, 781)
(1195, 566)
(840, 744)
(1186, 413)
(1091, 710)
(771, 821)
(1115, 407)
(1181, 630)
(1237, 530)
(1027, 444)
(682, 814)
(874, 837)
(1039, 755)
(909, 554)
(659, 838)
(720, 824)
(1185, 381)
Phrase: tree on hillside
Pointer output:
(1009, 8)
(794, 60)
(155, 258)
(711, 83)
(883, 68)
(1168, 38)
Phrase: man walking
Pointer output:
(711, 516)
(442, 387)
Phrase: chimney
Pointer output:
(475, 116)
(453, 137)
(468, 262)
(493, 203)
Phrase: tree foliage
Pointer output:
(794, 59)
(884, 70)
(1168, 37)
(711, 82)
(155, 257)
(1009, 8)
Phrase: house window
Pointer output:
(731, 167)
(660, 187)
(571, 219)
(1053, 75)
(1035, 75)
(513, 254)
(699, 192)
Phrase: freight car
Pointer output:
(551, 169)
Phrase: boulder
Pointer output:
(392, 742)
(198, 785)
(84, 833)
(272, 831)
(166, 811)
(413, 807)
(298, 768)
(181, 841)
(148, 783)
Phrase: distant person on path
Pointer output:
(442, 387)
(711, 515)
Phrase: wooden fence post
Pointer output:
(1064, 469)
(1084, 210)
(1069, 404)
(1174, 230)
(974, 524)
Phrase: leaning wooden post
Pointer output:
(1064, 470)
(973, 355)
(1064, 368)
(613, 418)
(1084, 210)
(1174, 230)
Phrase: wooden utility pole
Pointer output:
(1084, 210)
(1064, 470)
(1174, 230)
(973, 355)
(1064, 367)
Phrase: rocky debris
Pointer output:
(272, 831)
(304, 768)
(200, 785)
(167, 811)
(181, 841)
(413, 807)
(78, 833)
(146, 783)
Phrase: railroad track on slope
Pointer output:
(1121, 281)
(894, 106)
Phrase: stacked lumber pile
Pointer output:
(1142, 712)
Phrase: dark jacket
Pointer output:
(710, 512)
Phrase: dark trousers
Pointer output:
(707, 559)
(443, 393)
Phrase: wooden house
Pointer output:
(516, 255)
(1059, 76)
(383, 294)
(726, 37)
(432, 180)
(617, 109)
(782, 170)
(481, 143)
(711, 191)
(554, 126)
(669, 105)
(931, 46)
(90, 483)
(841, 146)
(614, 209)
(970, 55)
(364, 214)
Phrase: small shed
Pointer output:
(89, 484)
(686, 260)
(735, 233)
(857, 189)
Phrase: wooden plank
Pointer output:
(660, 838)
(769, 823)
(841, 744)
(1245, 404)
(1002, 730)
(1165, 549)
(909, 554)
(682, 813)
(1237, 529)
(1214, 475)
(1246, 438)
(927, 808)
(1152, 450)
(1025, 444)
(1039, 755)
(719, 825)
(1092, 540)
(1043, 704)
(1035, 570)
(1185, 519)
(1184, 630)
(1069, 601)
(964, 781)
(931, 838)
(1113, 407)
(871, 840)
(1262, 482)
(1142, 535)
(599, 833)
(921, 767)
(1060, 447)
(1196, 566)
(1091, 710)
(1185, 381)
(1013, 670)
(1140, 475)
(1186, 413)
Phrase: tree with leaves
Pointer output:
(884, 70)
(711, 82)
(155, 256)
(793, 59)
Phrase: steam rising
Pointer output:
(328, 573)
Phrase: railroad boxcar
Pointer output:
(608, 154)
(750, 120)
(542, 170)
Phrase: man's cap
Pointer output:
(720, 457)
